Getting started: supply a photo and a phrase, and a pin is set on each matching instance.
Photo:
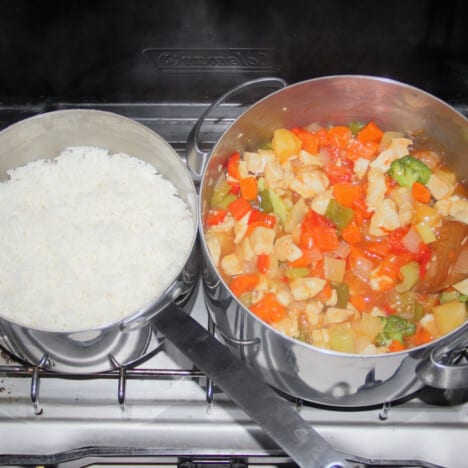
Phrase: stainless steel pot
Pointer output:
(133, 337)
(294, 367)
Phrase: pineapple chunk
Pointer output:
(449, 316)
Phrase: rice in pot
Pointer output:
(87, 239)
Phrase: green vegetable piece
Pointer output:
(270, 201)
(297, 272)
(356, 127)
(450, 296)
(410, 273)
(395, 328)
(342, 293)
(408, 170)
(339, 214)
(226, 201)
(219, 193)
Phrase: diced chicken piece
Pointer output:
(320, 338)
(377, 312)
(231, 265)
(384, 219)
(459, 210)
(439, 188)
(360, 167)
(428, 322)
(214, 246)
(455, 207)
(308, 159)
(286, 250)
(245, 251)
(313, 310)
(243, 170)
(306, 288)
(225, 226)
(284, 296)
(288, 326)
(337, 315)
(376, 189)
(397, 149)
(256, 161)
(309, 184)
(402, 197)
(262, 240)
(240, 228)
(274, 175)
(320, 202)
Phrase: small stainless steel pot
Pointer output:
(134, 336)
(294, 367)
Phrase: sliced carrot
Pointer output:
(233, 166)
(269, 308)
(395, 346)
(339, 136)
(263, 263)
(422, 336)
(243, 283)
(215, 216)
(370, 133)
(421, 193)
(239, 208)
(352, 233)
(359, 301)
(248, 188)
(310, 141)
(346, 193)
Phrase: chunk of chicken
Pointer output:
(313, 311)
(255, 162)
(275, 176)
(306, 288)
(361, 165)
(308, 159)
(240, 228)
(321, 338)
(286, 250)
(439, 187)
(402, 197)
(337, 315)
(376, 189)
(320, 202)
(231, 265)
(385, 218)
(397, 149)
(262, 240)
(309, 184)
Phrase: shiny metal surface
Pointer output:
(273, 414)
(122, 342)
(299, 369)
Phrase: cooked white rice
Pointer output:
(87, 239)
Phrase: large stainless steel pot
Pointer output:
(134, 336)
(294, 367)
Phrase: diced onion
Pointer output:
(412, 240)
(363, 268)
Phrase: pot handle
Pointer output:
(441, 369)
(196, 158)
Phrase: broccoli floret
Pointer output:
(395, 328)
(408, 170)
